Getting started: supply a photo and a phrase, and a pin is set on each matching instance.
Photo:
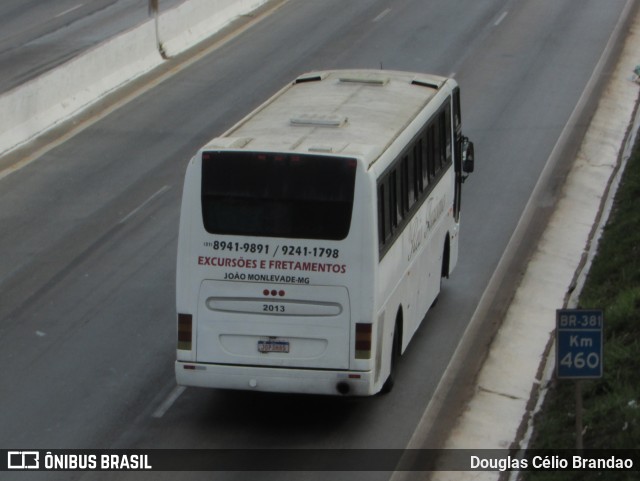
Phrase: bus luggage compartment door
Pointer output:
(273, 325)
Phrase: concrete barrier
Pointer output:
(195, 20)
(33, 108)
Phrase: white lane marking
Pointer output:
(167, 403)
(500, 18)
(141, 206)
(382, 15)
(69, 10)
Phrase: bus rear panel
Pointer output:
(270, 262)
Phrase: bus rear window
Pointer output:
(277, 195)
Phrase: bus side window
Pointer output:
(419, 166)
(447, 128)
(408, 187)
(405, 196)
(457, 128)
(442, 140)
(457, 120)
(395, 202)
(413, 179)
(383, 214)
(432, 149)
(426, 175)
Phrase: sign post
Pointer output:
(579, 351)
(154, 9)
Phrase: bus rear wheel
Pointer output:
(395, 356)
(444, 271)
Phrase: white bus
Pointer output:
(314, 234)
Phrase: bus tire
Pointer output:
(396, 348)
(444, 271)
(446, 254)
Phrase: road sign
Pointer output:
(579, 343)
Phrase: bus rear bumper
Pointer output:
(270, 379)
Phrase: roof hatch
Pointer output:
(370, 79)
(318, 120)
(311, 77)
(426, 83)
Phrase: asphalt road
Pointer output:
(89, 230)
(37, 36)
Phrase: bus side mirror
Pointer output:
(467, 155)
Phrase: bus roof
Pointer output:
(343, 112)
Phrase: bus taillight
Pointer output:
(185, 323)
(363, 340)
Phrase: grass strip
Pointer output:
(611, 405)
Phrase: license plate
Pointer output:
(273, 346)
